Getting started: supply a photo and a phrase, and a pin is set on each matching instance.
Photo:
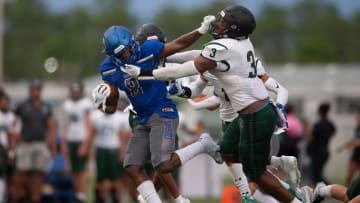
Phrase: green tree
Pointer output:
(25, 33)
(272, 36)
(73, 37)
(319, 32)
(176, 22)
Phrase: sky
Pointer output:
(150, 9)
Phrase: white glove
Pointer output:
(99, 94)
(207, 20)
(132, 70)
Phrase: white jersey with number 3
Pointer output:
(236, 71)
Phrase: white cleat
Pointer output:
(317, 189)
(290, 166)
(141, 199)
(306, 193)
(211, 147)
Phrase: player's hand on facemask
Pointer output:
(99, 95)
(205, 24)
(175, 88)
(132, 70)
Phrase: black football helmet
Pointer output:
(241, 23)
(148, 30)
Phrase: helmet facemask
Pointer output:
(215, 26)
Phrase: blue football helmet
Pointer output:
(116, 40)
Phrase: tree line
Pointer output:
(307, 32)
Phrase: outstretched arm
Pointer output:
(199, 65)
(184, 56)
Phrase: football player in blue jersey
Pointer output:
(154, 138)
(150, 31)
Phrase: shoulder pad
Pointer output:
(215, 51)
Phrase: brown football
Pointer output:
(112, 99)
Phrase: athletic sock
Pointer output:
(325, 191)
(190, 151)
(240, 179)
(147, 190)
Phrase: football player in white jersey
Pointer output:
(226, 113)
(76, 125)
(9, 131)
(110, 134)
(231, 58)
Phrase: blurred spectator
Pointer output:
(290, 140)
(32, 154)
(8, 133)
(76, 125)
(58, 184)
(318, 143)
(110, 133)
(354, 145)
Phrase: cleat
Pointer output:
(317, 197)
(306, 193)
(211, 147)
(248, 200)
(290, 166)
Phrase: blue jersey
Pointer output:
(146, 96)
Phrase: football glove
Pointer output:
(205, 24)
(99, 95)
(132, 70)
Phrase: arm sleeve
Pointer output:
(182, 57)
(168, 73)
(206, 103)
(281, 92)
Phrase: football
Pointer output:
(112, 99)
